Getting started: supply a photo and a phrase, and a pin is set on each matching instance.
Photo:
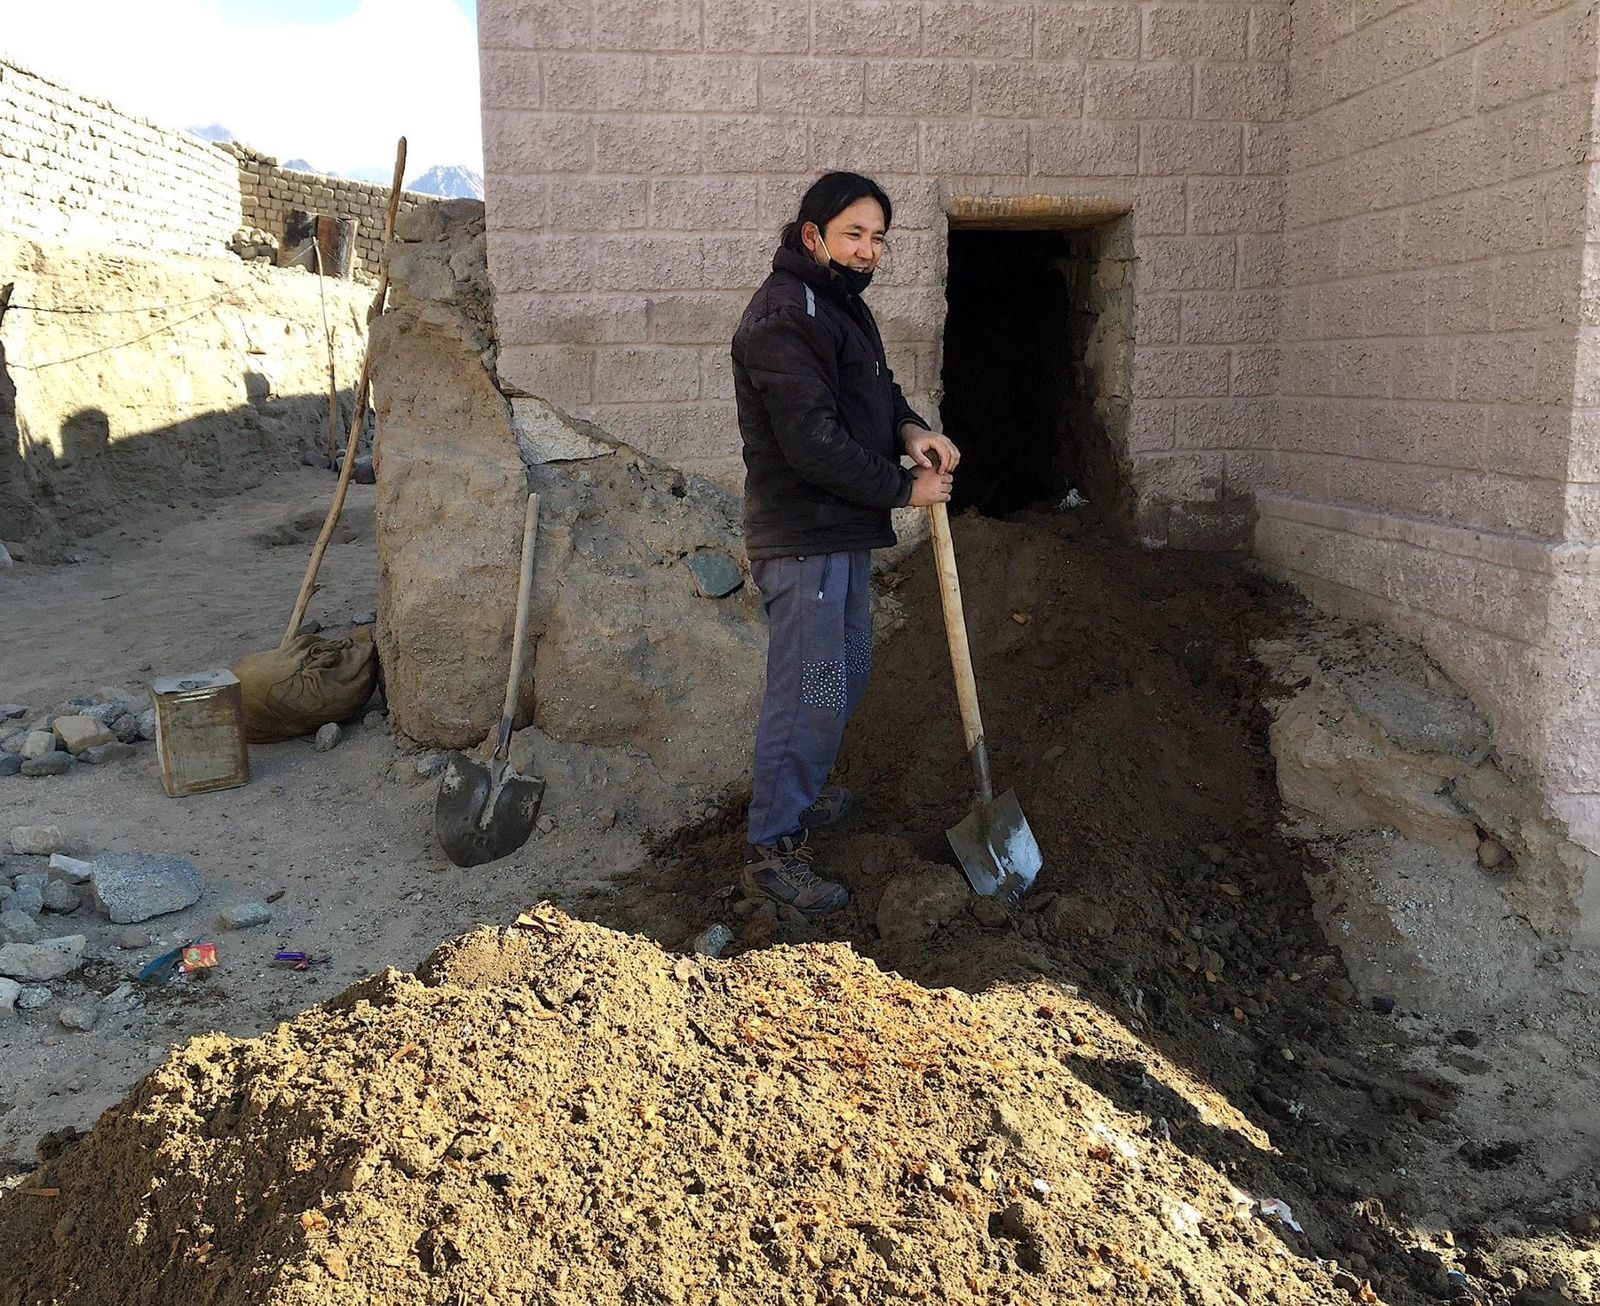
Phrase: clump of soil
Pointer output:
(559, 1113)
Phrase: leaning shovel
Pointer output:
(485, 810)
(994, 845)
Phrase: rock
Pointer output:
(1491, 854)
(32, 879)
(6, 560)
(38, 743)
(712, 942)
(243, 915)
(545, 824)
(990, 913)
(430, 765)
(10, 991)
(131, 940)
(1586, 1224)
(405, 772)
(80, 733)
(107, 711)
(916, 904)
(13, 711)
(317, 459)
(124, 998)
(375, 721)
(421, 225)
(83, 1018)
(327, 738)
(115, 751)
(364, 619)
(37, 840)
(10, 764)
(18, 927)
(715, 573)
(126, 728)
(27, 899)
(33, 996)
(607, 817)
(310, 626)
(70, 869)
(364, 473)
(132, 887)
(48, 959)
(147, 723)
(59, 896)
(49, 764)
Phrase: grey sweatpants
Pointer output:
(819, 654)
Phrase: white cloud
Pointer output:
(337, 94)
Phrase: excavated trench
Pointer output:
(1091, 1098)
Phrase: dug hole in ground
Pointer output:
(1154, 1082)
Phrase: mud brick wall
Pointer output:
(1437, 458)
(269, 193)
(74, 167)
(642, 156)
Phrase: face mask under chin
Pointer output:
(854, 279)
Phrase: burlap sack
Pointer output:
(309, 682)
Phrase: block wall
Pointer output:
(1436, 463)
(642, 156)
(269, 193)
(74, 167)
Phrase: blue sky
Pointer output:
(330, 81)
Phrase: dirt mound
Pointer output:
(559, 1113)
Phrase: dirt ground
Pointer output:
(850, 1112)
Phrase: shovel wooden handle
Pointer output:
(955, 629)
(519, 635)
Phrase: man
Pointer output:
(824, 427)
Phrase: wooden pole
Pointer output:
(308, 585)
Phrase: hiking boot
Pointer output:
(832, 806)
(782, 872)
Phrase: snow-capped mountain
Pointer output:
(455, 183)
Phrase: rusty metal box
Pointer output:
(200, 732)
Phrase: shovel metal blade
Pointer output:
(996, 849)
(484, 810)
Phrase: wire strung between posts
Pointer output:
(106, 312)
(121, 344)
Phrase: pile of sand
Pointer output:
(560, 1113)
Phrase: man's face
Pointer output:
(854, 238)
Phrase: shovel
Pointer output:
(485, 810)
(993, 843)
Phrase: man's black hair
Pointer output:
(829, 196)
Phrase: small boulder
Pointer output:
(82, 1018)
(18, 927)
(364, 619)
(27, 899)
(10, 991)
(57, 763)
(82, 732)
(70, 869)
(32, 997)
(115, 751)
(38, 743)
(147, 723)
(126, 728)
(13, 711)
(46, 960)
(327, 738)
(59, 896)
(133, 887)
(364, 473)
(244, 915)
(131, 940)
(37, 840)
(10, 764)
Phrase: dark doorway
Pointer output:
(1027, 393)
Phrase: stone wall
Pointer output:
(1435, 463)
(641, 159)
(73, 166)
(269, 193)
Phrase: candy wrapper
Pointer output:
(198, 956)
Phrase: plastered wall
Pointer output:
(1435, 460)
(642, 156)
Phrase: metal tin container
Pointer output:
(200, 732)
